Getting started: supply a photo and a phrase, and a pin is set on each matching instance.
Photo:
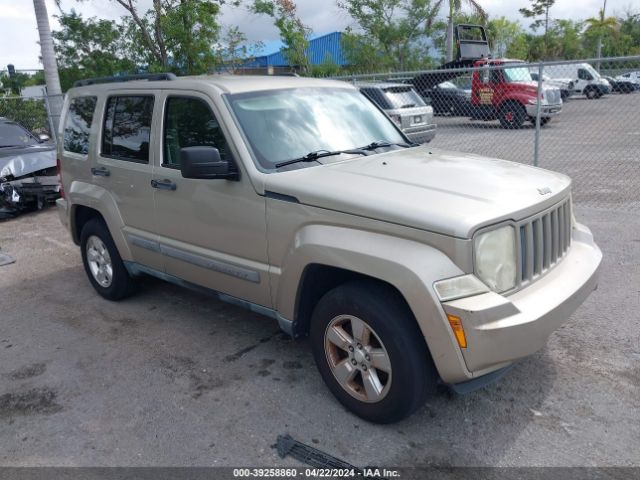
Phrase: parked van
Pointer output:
(586, 80)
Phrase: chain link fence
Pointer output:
(586, 124)
(25, 103)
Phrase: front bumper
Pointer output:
(502, 329)
(545, 110)
(421, 134)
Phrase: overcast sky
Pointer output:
(19, 34)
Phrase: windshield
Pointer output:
(285, 124)
(13, 135)
(592, 71)
(517, 74)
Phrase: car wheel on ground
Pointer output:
(103, 263)
(543, 120)
(591, 93)
(512, 115)
(371, 353)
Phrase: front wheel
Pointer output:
(543, 120)
(512, 115)
(591, 93)
(371, 353)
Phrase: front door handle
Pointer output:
(165, 184)
(100, 171)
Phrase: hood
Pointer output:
(23, 160)
(440, 191)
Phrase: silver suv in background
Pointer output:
(299, 199)
(405, 107)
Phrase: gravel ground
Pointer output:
(170, 377)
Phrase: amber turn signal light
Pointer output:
(458, 330)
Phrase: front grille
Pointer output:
(544, 239)
(553, 96)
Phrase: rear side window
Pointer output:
(189, 122)
(77, 126)
(127, 128)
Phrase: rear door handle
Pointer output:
(100, 172)
(165, 184)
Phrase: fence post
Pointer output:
(536, 149)
(54, 134)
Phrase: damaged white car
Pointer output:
(28, 176)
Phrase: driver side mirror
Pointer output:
(43, 137)
(205, 163)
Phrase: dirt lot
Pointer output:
(170, 377)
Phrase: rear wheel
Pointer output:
(103, 263)
(512, 115)
(371, 353)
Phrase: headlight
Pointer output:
(495, 258)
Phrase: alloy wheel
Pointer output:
(357, 358)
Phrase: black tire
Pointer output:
(591, 93)
(512, 115)
(543, 120)
(412, 376)
(121, 284)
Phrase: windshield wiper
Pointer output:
(313, 156)
(375, 145)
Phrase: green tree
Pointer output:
(539, 8)
(190, 29)
(177, 35)
(234, 49)
(503, 35)
(564, 40)
(455, 7)
(628, 42)
(393, 34)
(601, 27)
(91, 48)
(293, 33)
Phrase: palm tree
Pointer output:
(54, 92)
(455, 6)
(601, 26)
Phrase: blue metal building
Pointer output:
(321, 49)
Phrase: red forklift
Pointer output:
(501, 89)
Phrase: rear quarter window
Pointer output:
(77, 127)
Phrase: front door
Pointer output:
(584, 79)
(212, 232)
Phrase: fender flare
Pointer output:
(99, 199)
(410, 266)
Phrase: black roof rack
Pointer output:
(125, 78)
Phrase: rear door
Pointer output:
(212, 232)
(123, 167)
